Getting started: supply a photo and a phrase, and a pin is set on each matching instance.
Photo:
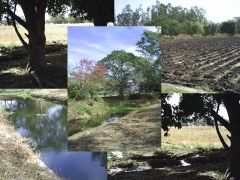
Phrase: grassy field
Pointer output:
(55, 33)
(17, 159)
(170, 88)
(48, 94)
(188, 139)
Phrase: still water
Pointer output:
(45, 124)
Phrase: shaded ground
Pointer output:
(210, 63)
(17, 160)
(204, 165)
(197, 146)
(139, 130)
(13, 64)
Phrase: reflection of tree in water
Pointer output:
(13, 104)
(44, 121)
(101, 156)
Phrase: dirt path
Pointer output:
(138, 131)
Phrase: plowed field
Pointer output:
(206, 62)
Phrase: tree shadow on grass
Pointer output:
(13, 62)
(203, 165)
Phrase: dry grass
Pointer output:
(50, 94)
(137, 131)
(191, 138)
(17, 160)
(55, 33)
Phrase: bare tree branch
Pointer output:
(15, 17)
(16, 29)
(225, 123)
(220, 135)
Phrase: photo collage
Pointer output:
(119, 90)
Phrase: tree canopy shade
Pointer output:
(102, 11)
(193, 107)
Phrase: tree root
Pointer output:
(37, 79)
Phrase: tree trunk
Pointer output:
(231, 102)
(103, 12)
(34, 12)
(98, 21)
(37, 41)
(121, 94)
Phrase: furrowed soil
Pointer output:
(212, 63)
(198, 146)
(139, 130)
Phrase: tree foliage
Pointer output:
(128, 73)
(119, 70)
(174, 20)
(87, 79)
(228, 27)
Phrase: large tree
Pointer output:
(193, 107)
(34, 22)
(149, 47)
(120, 67)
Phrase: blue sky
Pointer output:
(95, 43)
(216, 10)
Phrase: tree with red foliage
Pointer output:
(87, 78)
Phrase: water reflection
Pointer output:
(45, 123)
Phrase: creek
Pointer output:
(45, 125)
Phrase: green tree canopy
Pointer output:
(119, 72)
(228, 27)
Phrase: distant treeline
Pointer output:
(176, 20)
(53, 20)
(65, 20)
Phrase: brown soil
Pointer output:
(206, 62)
